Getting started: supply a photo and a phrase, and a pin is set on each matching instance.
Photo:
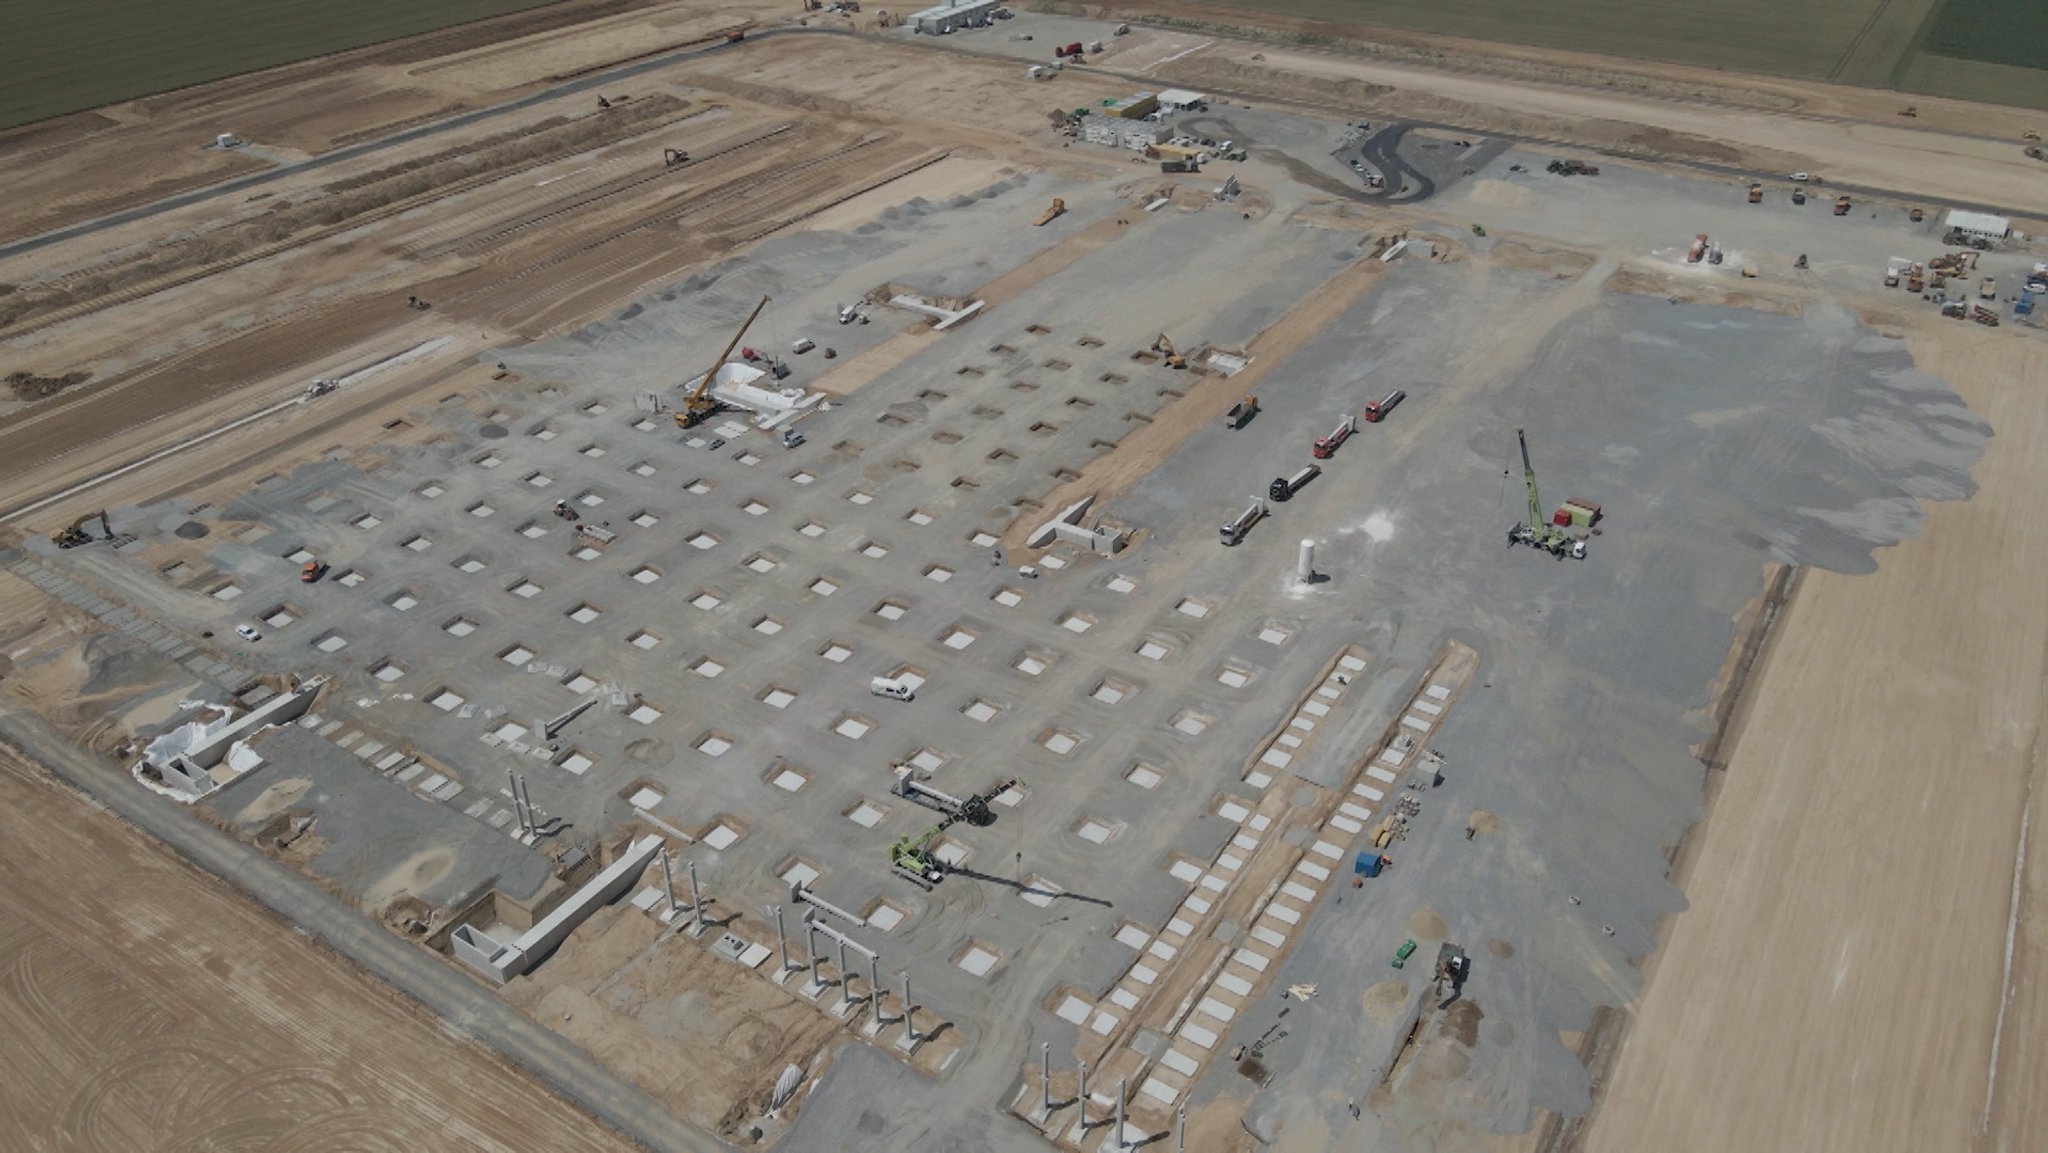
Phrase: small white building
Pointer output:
(1979, 225)
(946, 17)
(1181, 100)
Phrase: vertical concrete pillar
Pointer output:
(1119, 1113)
(696, 897)
(668, 881)
(845, 984)
(1045, 1077)
(1180, 1129)
(781, 941)
(519, 812)
(1305, 562)
(875, 989)
(811, 949)
(908, 1028)
(1081, 1095)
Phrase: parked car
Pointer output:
(248, 633)
(802, 344)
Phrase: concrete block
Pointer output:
(1232, 983)
(1180, 1062)
(1217, 1009)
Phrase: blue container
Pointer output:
(1368, 864)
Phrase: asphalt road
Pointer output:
(1405, 183)
(468, 1007)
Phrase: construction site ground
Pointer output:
(1196, 728)
(151, 1007)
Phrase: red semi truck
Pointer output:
(1377, 410)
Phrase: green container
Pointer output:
(1402, 954)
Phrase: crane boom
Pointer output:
(1529, 478)
(697, 404)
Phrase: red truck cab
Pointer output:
(1326, 447)
(1376, 411)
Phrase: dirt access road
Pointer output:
(1842, 979)
(147, 1006)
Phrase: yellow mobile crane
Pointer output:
(697, 403)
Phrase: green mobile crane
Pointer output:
(1537, 532)
(912, 859)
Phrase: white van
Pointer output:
(891, 688)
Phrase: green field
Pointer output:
(77, 54)
(2011, 32)
(1992, 50)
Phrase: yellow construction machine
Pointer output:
(1058, 209)
(697, 403)
(74, 534)
(1164, 348)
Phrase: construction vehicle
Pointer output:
(911, 857)
(1917, 215)
(596, 534)
(1916, 282)
(1698, 249)
(1841, 206)
(1988, 289)
(1057, 209)
(1326, 447)
(2030, 134)
(74, 534)
(563, 510)
(1799, 196)
(1756, 194)
(1234, 532)
(1801, 262)
(735, 35)
(974, 808)
(671, 157)
(1713, 254)
(1536, 532)
(1284, 487)
(311, 572)
(1572, 168)
(1377, 410)
(1242, 412)
(1165, 349)
(1909, 111)
(416, 304)
(1984, 316)
(697, 403)
(1068, 50)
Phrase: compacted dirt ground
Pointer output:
(148, 1006)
